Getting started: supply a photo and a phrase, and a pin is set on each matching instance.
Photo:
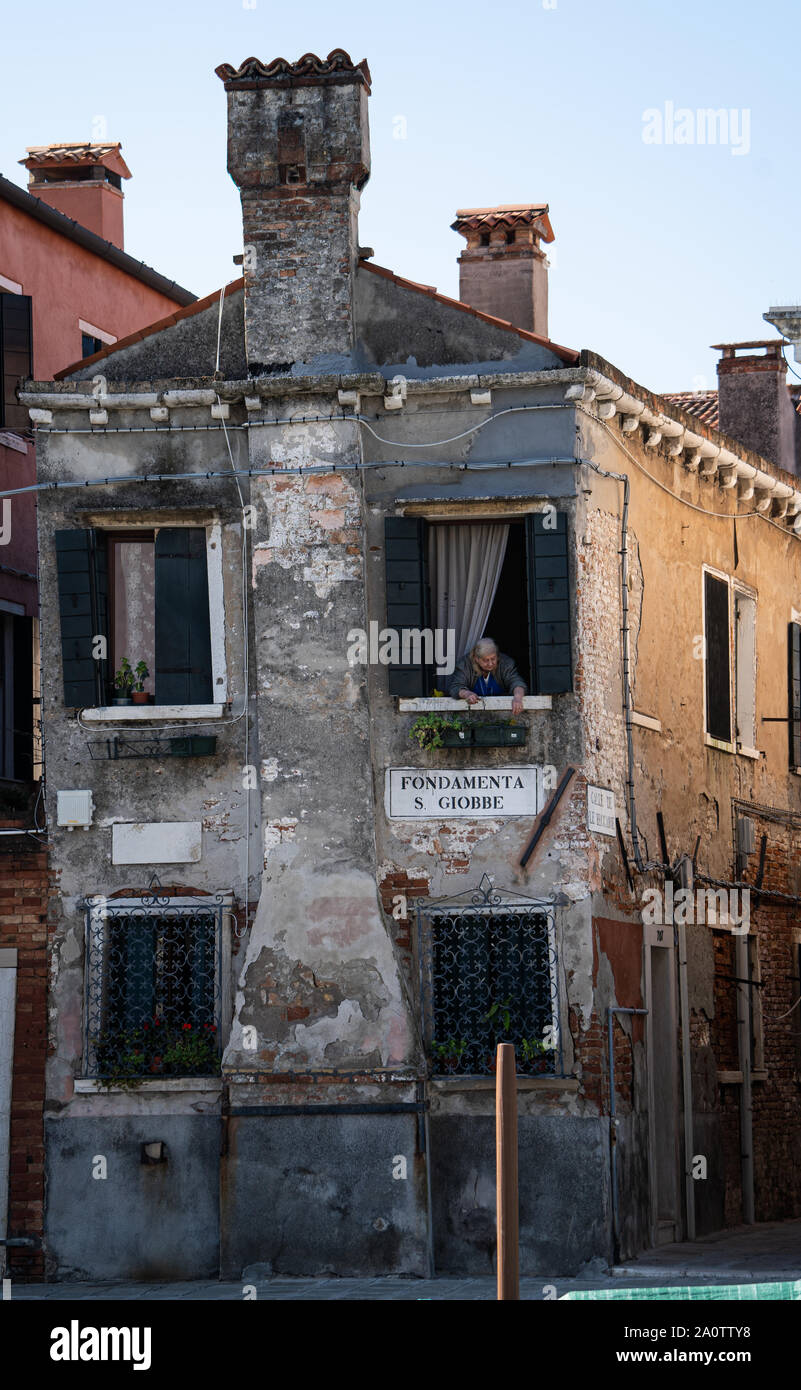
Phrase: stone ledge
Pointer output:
(443, 1085)
(89, 1086)
(142, 714)
(490, 702)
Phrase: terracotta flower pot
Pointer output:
(141, 697)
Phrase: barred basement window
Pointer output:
(153, 988)
(488, 975)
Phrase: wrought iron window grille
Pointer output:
(153, 985)
(488, 974)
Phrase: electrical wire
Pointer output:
(718, 516)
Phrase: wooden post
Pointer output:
(506, 1172)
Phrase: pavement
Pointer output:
(769, 1252)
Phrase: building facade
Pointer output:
(302, 896)
(67, 289)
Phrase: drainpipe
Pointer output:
(610, 1020)
(744, 1030)
(686, 881)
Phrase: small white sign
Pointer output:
(413, 793)
(601, 811)
(157, 842)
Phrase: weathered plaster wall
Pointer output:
(210, 790)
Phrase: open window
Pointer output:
(143, 595)
(729, 663)
(505, 579)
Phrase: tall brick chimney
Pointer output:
(82, 180)
(502, 270)
(298, 150)
(754, 405)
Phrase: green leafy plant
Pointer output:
(127, 1057)
(142, 674)
(532, 1048)
(451, 1048)
(124, 678)
(501, 1011)
(193, 1051)
(428, 729)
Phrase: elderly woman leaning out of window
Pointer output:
(486, 671)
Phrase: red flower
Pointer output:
(187, 1027)
(157, 1021)
(146, 1027)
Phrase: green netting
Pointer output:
(786, 1288)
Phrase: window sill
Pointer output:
(490, 702)
(719, 743)
(143, 714)
(88, 1086)
(743, 752)
(446, 1084)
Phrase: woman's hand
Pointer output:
(517, 700)
(470, 696)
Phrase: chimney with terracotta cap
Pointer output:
(82, 180)
(754, 404)
(503, 271)
(298, 150)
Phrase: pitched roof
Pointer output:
(567, 354)
(59, 222)
(704, 404)
(196, 307)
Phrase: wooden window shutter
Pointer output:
(549, 602)
(408, 603)
(794, 692)
(16, 357)
(718, 677)
(82, 567)
(183, 633)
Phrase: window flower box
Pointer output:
(499, 735)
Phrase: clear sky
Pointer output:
(662, 246)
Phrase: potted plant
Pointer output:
(439, 731)
(192, 1051)
(123, 683)
(140, 695)
(450, 1052)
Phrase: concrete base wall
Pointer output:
(564, 1193)
(142, 1221)
(315, 1195)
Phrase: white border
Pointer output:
(95, 332)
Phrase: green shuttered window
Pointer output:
(794, 692)
(545, 590)
(183, 635)
(549, 602)
(718, 679)
(408, 602)
(83, 608)
(183, 670)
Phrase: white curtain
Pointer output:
(464, 564)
